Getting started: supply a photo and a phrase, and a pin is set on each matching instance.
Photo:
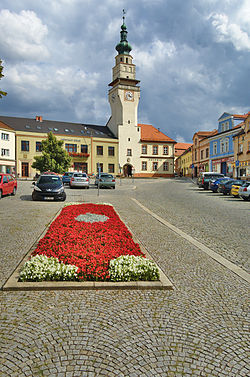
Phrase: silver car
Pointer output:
(244, 191)
(79, 179)
(105, 180)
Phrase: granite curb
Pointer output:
(12, 283)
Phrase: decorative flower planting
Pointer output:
(86, 238)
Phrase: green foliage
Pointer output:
(54, 157)
(1, 75)
(132, 268)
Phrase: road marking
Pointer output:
(226, 263)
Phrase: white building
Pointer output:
(7, 149)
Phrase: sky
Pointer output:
(192, 58)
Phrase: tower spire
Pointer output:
(123, 47)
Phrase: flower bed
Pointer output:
(89, 236)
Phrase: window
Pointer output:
(222, 127)
(195, 142)
(5, 136)
(5, 152)
(215, 148)
(241, 148)
(84, 148)
(38, 146)
(129, 152)
(144, 165)
(99, 150)
(71, 148)
(144, 149)
(155, 166)
(165, 149)
(195, 155)
(111, 151)
(165, 166)
(226, 145)
(202, 155)
(207, 152)
(155, 149)
(25, 146)
(222, 146)
(101, 167)
(111, 168)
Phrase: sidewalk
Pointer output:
(199, 329)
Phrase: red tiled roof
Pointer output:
(182, 146)
(150, 133)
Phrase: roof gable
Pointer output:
(225, 115)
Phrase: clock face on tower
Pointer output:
(129, 96)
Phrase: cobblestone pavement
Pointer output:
(199, 329)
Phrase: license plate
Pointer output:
(48, 198)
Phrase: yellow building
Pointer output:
(242, 150)
(184, 163)
(88, 145)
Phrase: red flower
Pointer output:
(88, 246)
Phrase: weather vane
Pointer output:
(123, 17)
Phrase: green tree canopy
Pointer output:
(54, 157)
(1, 75)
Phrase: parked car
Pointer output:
(67, 177)
(205, 177)
(79, 179)
(244, 191)
(214, 184)
(105, 180)
(235, 188)
(8, 184)
(225, 188)
(48, 187)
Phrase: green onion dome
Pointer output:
(123, 47)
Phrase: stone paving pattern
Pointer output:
(199, 329)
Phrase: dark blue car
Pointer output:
(213, 185)
(67, 177)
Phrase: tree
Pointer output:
(54, 158)
(1, 75)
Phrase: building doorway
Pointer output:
(25, 169)
(127, 170)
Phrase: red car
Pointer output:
(8, 184)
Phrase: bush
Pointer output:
(133, 268)
(40, 268)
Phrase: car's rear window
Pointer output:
(106, 175)
(49, 179)
(68, 174)
(80, 175)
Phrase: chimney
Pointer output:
(39, 118)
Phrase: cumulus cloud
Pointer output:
(153, 54)
(230, 32)
(23, 36)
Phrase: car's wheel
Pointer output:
(14, 191)
(113, 187)
(34, 198)
(70, 187)
(244, 198)
(88, 187)
(224, 193)
(0, 194)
